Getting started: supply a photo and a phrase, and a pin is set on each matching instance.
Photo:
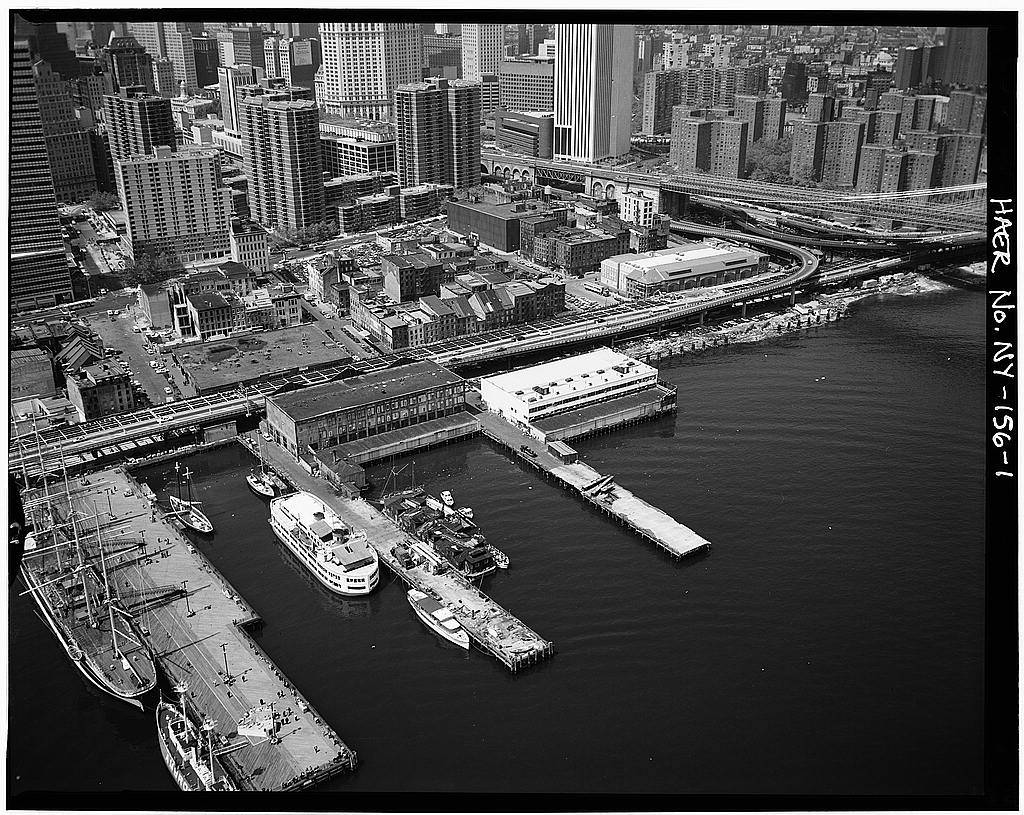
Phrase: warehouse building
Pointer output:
(359, 407)
(578, 395)
(689, 266)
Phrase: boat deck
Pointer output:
(492, 628)
(649, 522)
(195, 633)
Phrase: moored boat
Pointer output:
(260, 484)
(438, 618)
(187, 749)
(339, 557)
(189, 511)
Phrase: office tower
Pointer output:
(482, 49)
(67, 144)
(48, 44)
(363, 64)
(38, 271)
(136, 123)
(163, 78)
(231, 80)
(967, 112)
(272, 56)
(933, 63)
(808, 151)
(820, 107)
(907, 71)
(593, 91)
(150, 36)
(841, 158)
(88, 90)
(774, 118)
(438, 133)
(442, 55)
(716, 146)
(181, 53)
(527, 85)
(490, 95)
(528, 134)
(175, 202)
(794, 82)
(204, 49)
(302, 31)
(966, 58)
(547, 49)
(300, 59)
(958, 155)
(281, 153)
(129, 63)
(241, 45)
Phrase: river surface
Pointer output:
(830, 643)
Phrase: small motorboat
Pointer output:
(260, 484)
(500, 558)
(447, 498)
(438, 618)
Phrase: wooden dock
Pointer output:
(198, 637)
(600, 492)
(492, 629)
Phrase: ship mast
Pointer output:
(106, 586)
(46, 491)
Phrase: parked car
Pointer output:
(168, 391)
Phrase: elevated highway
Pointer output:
(40, 452)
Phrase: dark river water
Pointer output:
(830, 643)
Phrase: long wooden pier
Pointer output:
(492, 628)
(599, 491)
(270, 737)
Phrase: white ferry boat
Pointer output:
(339, 557)
(438, 618)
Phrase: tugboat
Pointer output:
(258, 480)
(189, 512)
(187, 749)
(438, 618)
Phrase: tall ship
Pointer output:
(187, 510)
(338, 556)
(447, 531)
(187, 748)
(68, 570)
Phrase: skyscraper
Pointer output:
(129, 63)
(232, 78)
(163, 78)
(281, 152)
(438, 132)
(67, 144)
(39, 272)
(49, 44)
(482, 49)
(808, 150)
(150, 36)
(181, 53)
(175, 202)
(841, 159)
(241, 45)
(593, 91)
(136, 123)
(363, 64)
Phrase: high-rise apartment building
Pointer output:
(794, 82)
(593, 91)
(907, 70)
(527, 85)
(363, 64)
(820, 107)
(697, 87)
(175, 202)
(67, 143)
(716, 146)
(231, 80)
(482, 49)
(38, 270)
(843, 140)
(438, 132)
(966, 59)
(774, 118)
(130, 65)
(808, 150)
(750, 109)
(958, 155)
(281, 151)
(967, 112)
(136, 123)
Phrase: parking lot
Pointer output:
(117, 333)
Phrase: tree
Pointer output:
(150, 267)
(102, 201)
(769, 160)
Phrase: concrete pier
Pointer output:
(492, 629)
(194, 621)
(601, 492)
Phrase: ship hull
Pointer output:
(79, 659)
(191, 517)
(259, 486)
(185, 777)
(286, 539)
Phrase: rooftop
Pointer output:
(206, 300)
(364, 389)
